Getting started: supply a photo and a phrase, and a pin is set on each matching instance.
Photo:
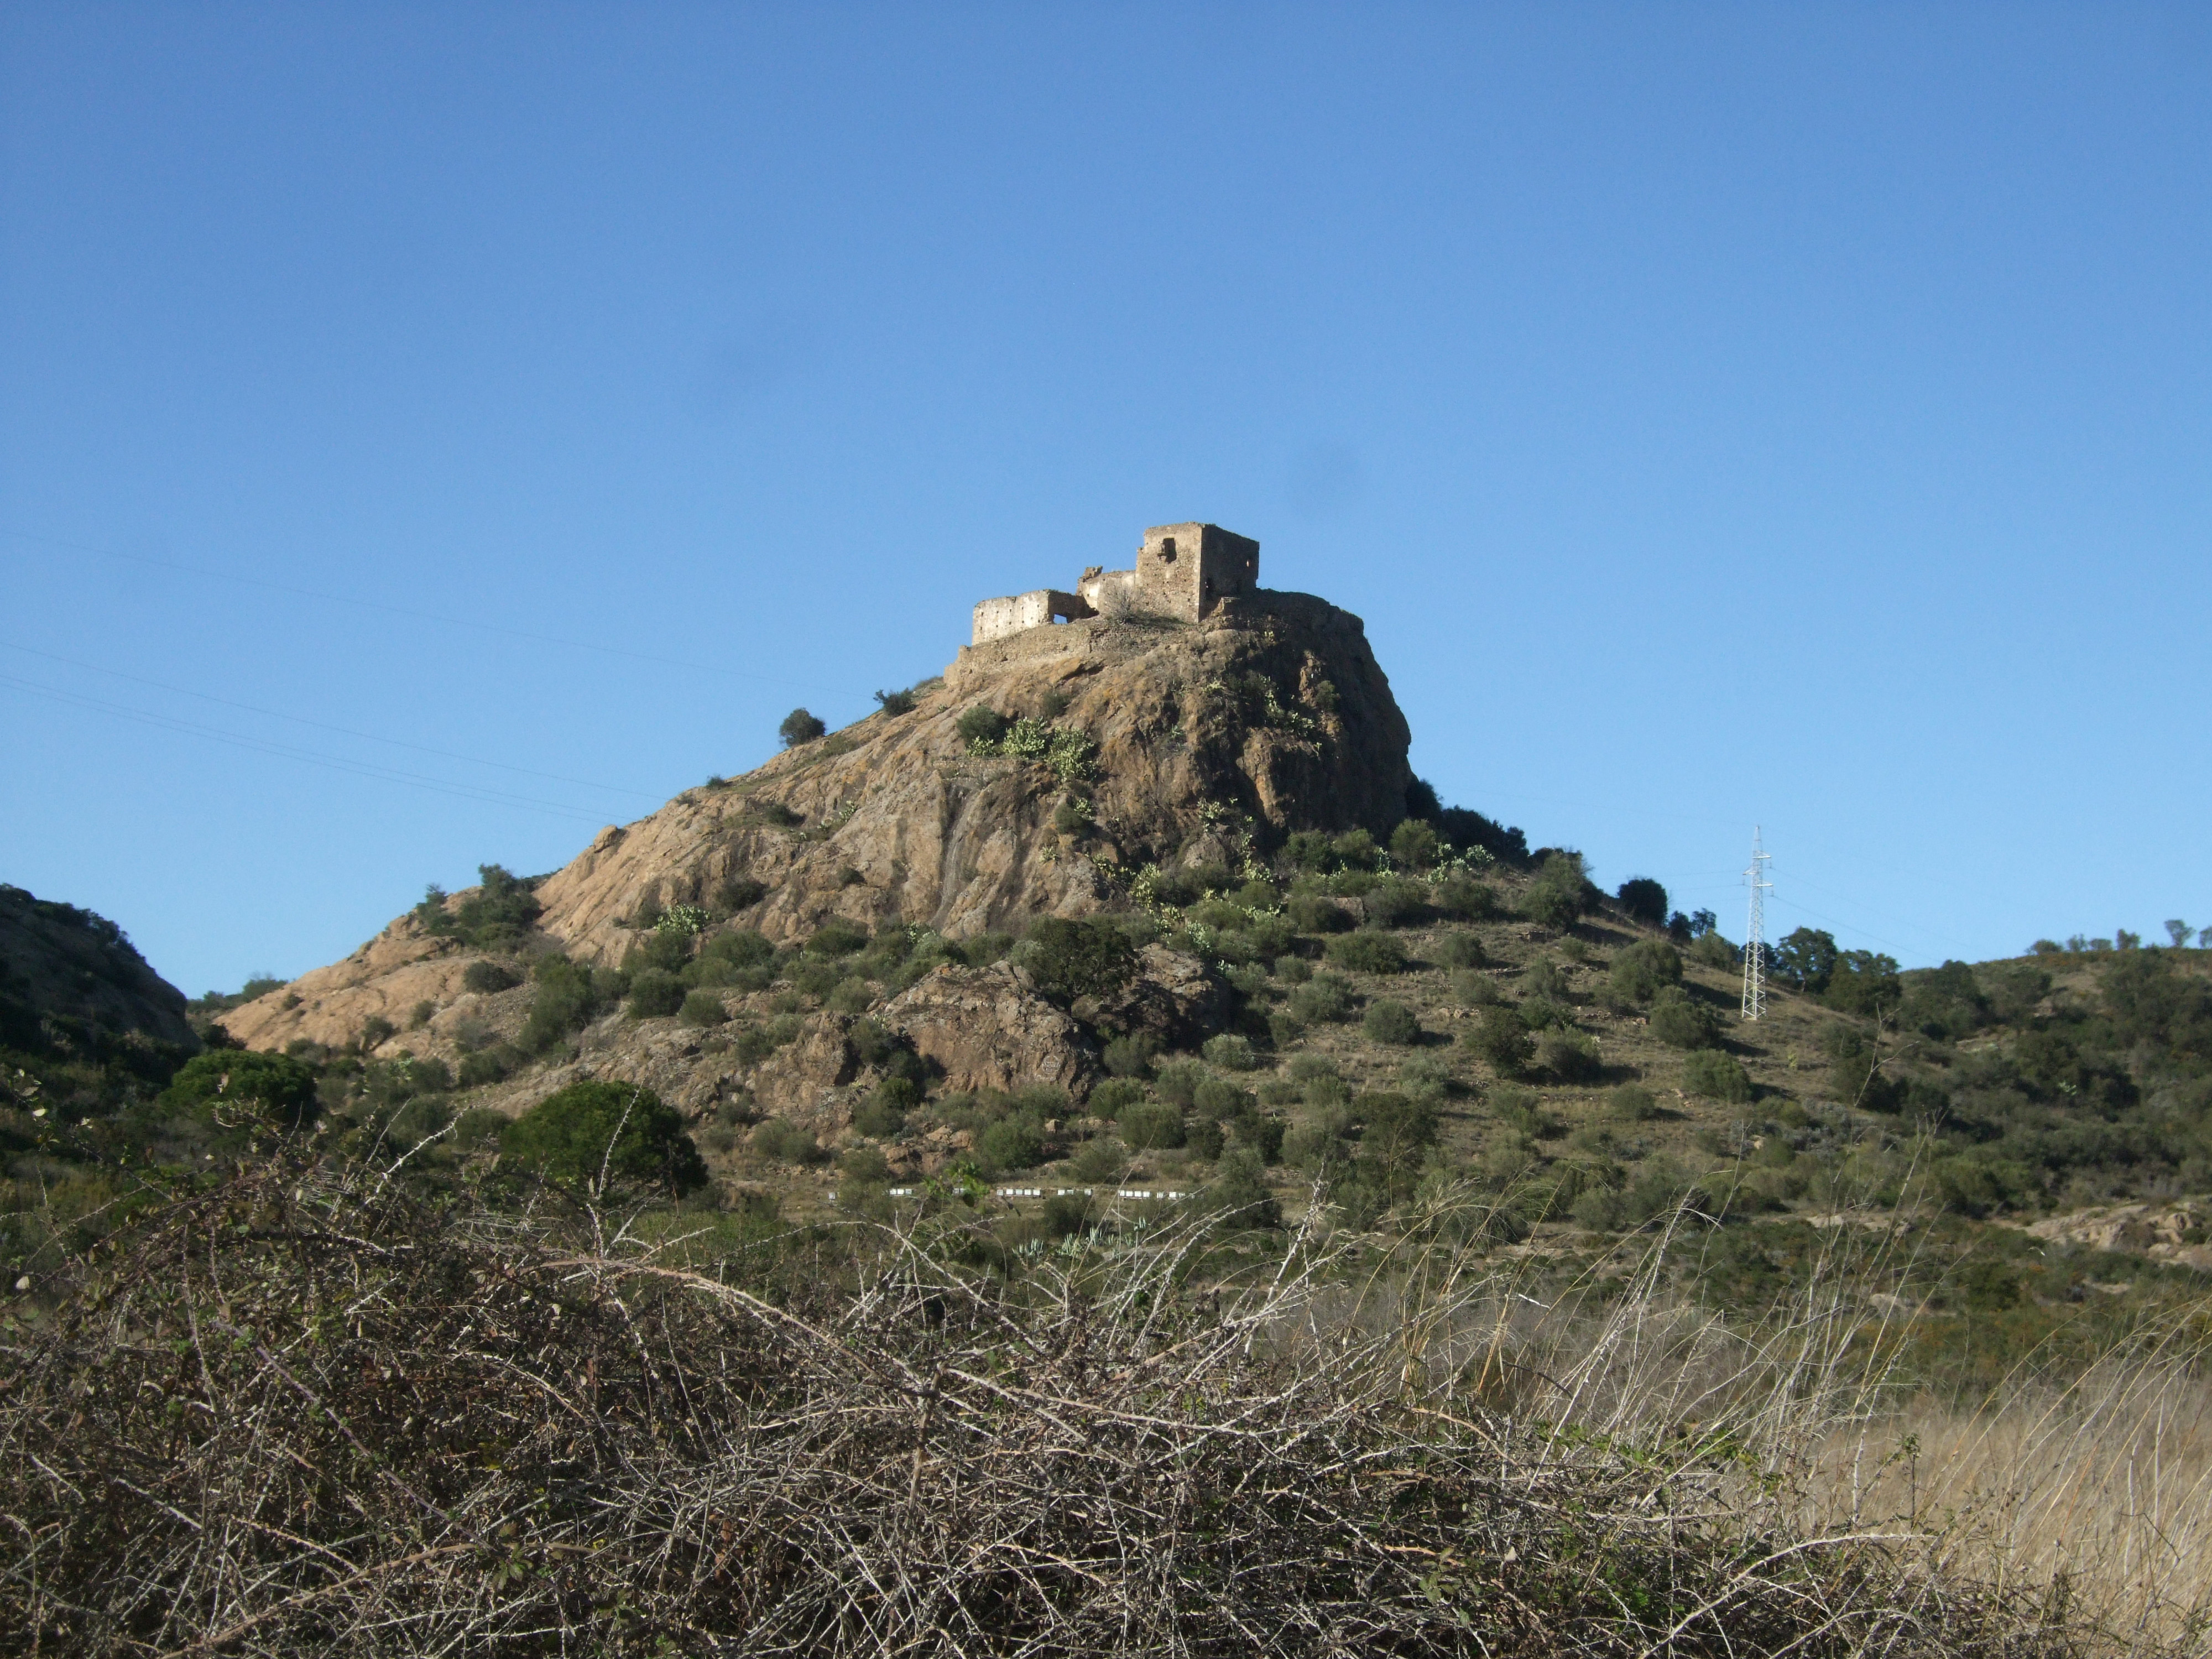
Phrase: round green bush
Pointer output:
(1315, 913)
(1716, 1076)
(1151, 1124)
(1397, 902)
(1219, 1097)
(1389, 1021)
(1501, 1039)
(485, 977)
(703, 1008)
(1465, 897)
(1230, 1052)
(1011, 1143)
(1368, 952)
(1205, 1139)
(1324, 998)
(1131, 1055)
(239, 1087)
(1679, 1023)
(655, 993)
(1640, 972)
(1178, 1081)
(1632, 1103)
(625, 1131)
(1461, 949)
(785, 1142)
(1113, 1097)
(1569, 1057)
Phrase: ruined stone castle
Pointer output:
(1182, 571)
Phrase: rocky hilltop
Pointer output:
(1061, 770)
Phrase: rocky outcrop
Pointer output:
(1178, 1000)
(2163, 1232)
(1183, 744)
(988, 1029)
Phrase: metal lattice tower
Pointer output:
(1754, 940)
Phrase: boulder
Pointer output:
(1176, 999)
(989, 1029)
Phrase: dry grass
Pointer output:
(288, 1416)
(2096, 1492)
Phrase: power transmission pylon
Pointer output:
(1755, 942)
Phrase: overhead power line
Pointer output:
(324, 725)
(412, 613)
(289, 751)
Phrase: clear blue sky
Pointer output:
(1783, 415)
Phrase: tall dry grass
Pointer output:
(293, 1415)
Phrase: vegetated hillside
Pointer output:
(1414, 1081)
(83, 1021)
(1104, 747)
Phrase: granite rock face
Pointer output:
(1186, 744)
(989, 1029)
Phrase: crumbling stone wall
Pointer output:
(1182, 570)
(996, 618)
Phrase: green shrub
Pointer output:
(1639, 972)
(1561, 893)
(1284, 1028)
(1230, 1052)
(1151, 1124)
(241, 1088)
(1260, 1133)
(739, 893)
(799, 726)
(1069, 958)
(1354, 850)
(981, 726)
(1414, 845)
(879, 1116)
(1315, 913)
(1474, 989)
(1393, 1022)
(786, 1142)
(1569, 1057)
(1643, 900)
(586, 1129)
(1113, 1097)
(1397, 902)
(486, 1065)
(1717, 1076)
(497, 915)
(703, 1008)
(1461, 949)
(836, 938)
(865, 1166)
(1320, 1143)
(1710, 950)
(1500, 1039)
(655, 993)
(1131, 1055)
(895, 704)
(1204, 1139)
(850, 996)
(1218, 1098)
(1368, 952)
(569, 997)
(1681, 1023)
(1011, 1143)
(1178, 1081)
(1544, 979)
(1464, 896)
(1632, 1103)
(1324, 998)
(1292, 970)
(487, 977)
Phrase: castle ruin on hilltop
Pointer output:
(1184, 570)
